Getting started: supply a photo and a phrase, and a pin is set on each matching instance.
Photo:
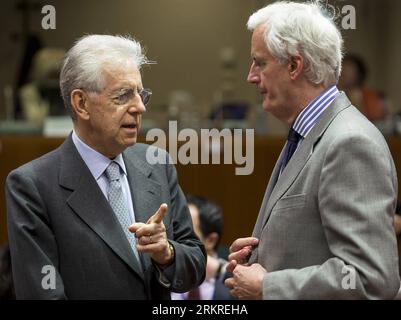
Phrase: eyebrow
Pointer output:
(256, 55)
(121, 90)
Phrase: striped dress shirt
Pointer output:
(309, 116)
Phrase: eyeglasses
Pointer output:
(145, 95)
(125, 96)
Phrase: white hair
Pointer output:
(302, 28)
(84, 63)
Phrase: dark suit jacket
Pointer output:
(58, 216)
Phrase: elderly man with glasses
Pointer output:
(93, 219)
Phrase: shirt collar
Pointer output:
(309, 116)
(95, 161)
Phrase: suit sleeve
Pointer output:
(189, 267)
(32, 243)
(356, 198)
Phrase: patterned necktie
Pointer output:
(292, 143)
(117, 203)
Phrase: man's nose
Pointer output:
(253, 76)
(137, 107)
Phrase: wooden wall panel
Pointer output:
(239, 196)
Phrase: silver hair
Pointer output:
(84, 63)
(302, 28)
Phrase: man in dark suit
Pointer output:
(325, 228)
(93, 219)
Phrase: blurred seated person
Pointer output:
(6, 277)
(397, 220)
(397, 226)
(41, 96)
(207, 219)
(354, 74)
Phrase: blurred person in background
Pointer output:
(207, 219)
(353, 82)
(397, 219)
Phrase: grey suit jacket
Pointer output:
(326, 227)
(58, 216)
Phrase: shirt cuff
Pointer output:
(166, 274)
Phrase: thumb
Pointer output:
(231, 266)
(159, 215)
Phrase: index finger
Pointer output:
(243, 242)
(159, 215)
(241, 255)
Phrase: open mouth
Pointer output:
(129, 126)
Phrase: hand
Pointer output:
(152, 237)
(240, 251)
(247, 282)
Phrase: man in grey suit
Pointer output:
(93, 219)
(325, 227)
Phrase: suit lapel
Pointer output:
(88, 202)
(145, 192)
(299, 159)
(263, 210)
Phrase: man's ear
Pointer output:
(295, 66)
(79, 102)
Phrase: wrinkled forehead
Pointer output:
(259, 46)
(121, 75)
